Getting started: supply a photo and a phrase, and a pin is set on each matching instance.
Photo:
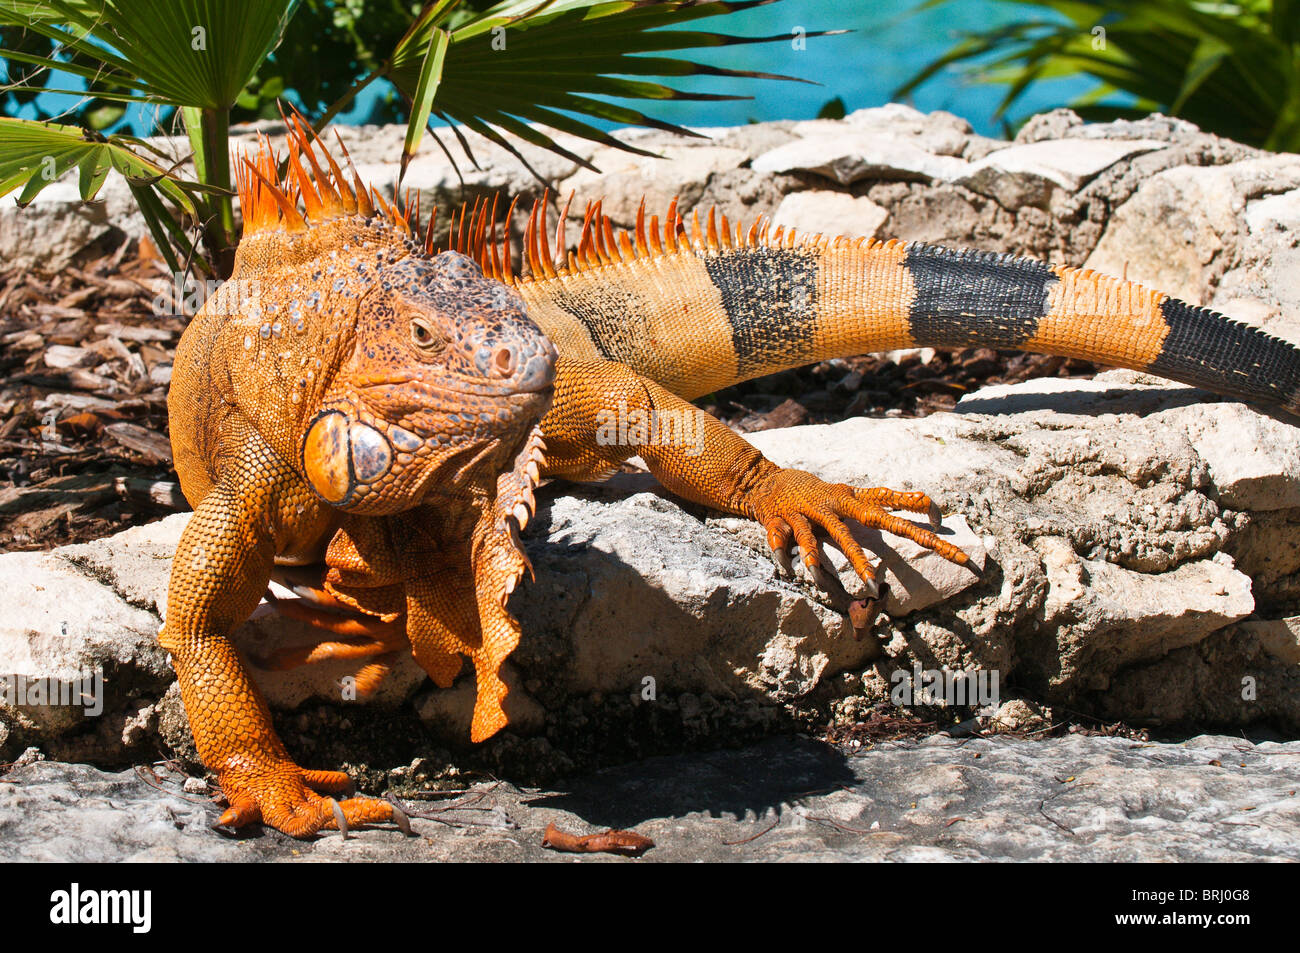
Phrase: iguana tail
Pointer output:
(702, 310)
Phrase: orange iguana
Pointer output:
(359, 417)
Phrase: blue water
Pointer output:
(889, 42)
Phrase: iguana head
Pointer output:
(444, 373)
(391, 376)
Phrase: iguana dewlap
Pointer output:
(351, 399)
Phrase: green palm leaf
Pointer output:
(181, 52)
(35, 155)
(197, 55)
(1231, 68)
(522, 62)
(502, 72)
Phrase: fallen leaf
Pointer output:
(625, 843)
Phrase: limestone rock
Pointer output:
(1221, 236)
(57, 227)
(893, 802)
(1123, 530)
(850, 156)
(624, 178)
(1099, 541)
(1026, 174)
(830, 214)
(1278, 637)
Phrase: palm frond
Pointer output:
(35, 155)
(1231, 68)
(522, 64)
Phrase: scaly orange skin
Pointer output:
(346, 399)
(277, 453)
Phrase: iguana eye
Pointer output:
(425, 337)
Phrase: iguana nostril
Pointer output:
(504, 361)
(539, 373)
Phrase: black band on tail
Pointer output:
(1206, 349)
(968, 298)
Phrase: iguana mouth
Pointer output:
(407, 445)
(412, 383)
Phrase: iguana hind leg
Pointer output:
(362, 637)
(222, 566)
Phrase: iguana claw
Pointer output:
(400, 819)
(792, 505)
(297, 802)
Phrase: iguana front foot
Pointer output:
(297, 801)
(788, 503)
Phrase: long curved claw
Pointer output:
(780, 538)
(791, 503)
(340, 819)
(286, 797)
(399, 817)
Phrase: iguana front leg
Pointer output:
(605, 413)
(221, 569)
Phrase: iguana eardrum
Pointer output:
(358, 416)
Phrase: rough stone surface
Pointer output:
(830, 213)
(853, 156)
(1216, 799)
(1221, 236)
(1136, 542)
(1026, 174)
(1115, 536)
(57, 227)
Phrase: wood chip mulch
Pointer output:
(84, 370)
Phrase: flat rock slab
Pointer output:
(1073, 799)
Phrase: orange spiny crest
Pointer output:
(641, 248)
(473, 232)
(310, 197)
(586, 248)
(269, 199)
(611, 247)
(507, 266)
(479, 249)
(329, 192)
(561, 239)
(496, 259)
(530, 242)
(544, 250)
(429, 229)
